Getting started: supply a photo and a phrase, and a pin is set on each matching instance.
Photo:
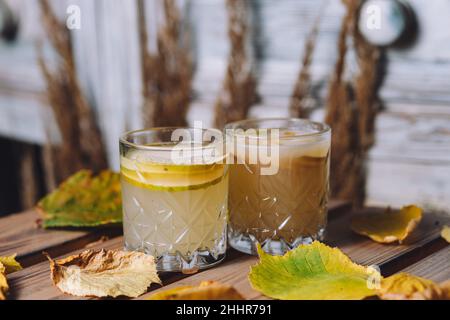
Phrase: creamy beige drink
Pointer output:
(175, 212)
(288, 208)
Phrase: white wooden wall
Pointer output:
(411, 161)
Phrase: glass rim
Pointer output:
(325, 127)
(123, 137)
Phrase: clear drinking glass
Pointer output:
(175, 196)
(286, 206)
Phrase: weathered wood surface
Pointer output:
(389, 258)
(28, 242)
(425, 244)
(20, 234)
(31, 241)
(435, 267)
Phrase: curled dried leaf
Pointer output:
(404, 286)
(312, 272)
(207, 290)
(104, 273)
(83, 200)
(10, 264)
(389, 226)
(440, 292)
(445, 233)
(7, 265)
(3, 283)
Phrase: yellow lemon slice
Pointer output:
(171, 177)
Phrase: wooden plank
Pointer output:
(360, 250)
(20, 234)
(390, 258)
(435, 267)
(34, 282)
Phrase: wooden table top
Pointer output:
(425, 254)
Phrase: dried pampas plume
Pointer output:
(167, 74)
(299, 106)
(351, 111)
(238, 92)
(81, 145)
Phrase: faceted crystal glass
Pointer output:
(175, 196)
(287, 206)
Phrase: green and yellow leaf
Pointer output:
(389, 226)
(311, 272)
(83, 201)
(207, 290)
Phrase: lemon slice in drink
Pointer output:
(170, 177)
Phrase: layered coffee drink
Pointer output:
(285, 207)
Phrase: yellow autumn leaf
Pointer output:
(83, 200)
(10, 263)
(445, 233)
(312, 272)
(389, 226)
(3, 283)
(104, 273)
(439, 292)
(404, 286)
(207, 290)
(7, 265)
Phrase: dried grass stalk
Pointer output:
(28, 182)
(167, 74)
(298, 106)
(367, 84)
(351, 112)
(82, 145)
(238, 93)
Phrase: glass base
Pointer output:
(177, 263)
(246, 243)
(199, 260)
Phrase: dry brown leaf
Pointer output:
(404, 286)
(207, 290)
(389, 226)
(445, 233)
(439, 292)
(104, 273)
